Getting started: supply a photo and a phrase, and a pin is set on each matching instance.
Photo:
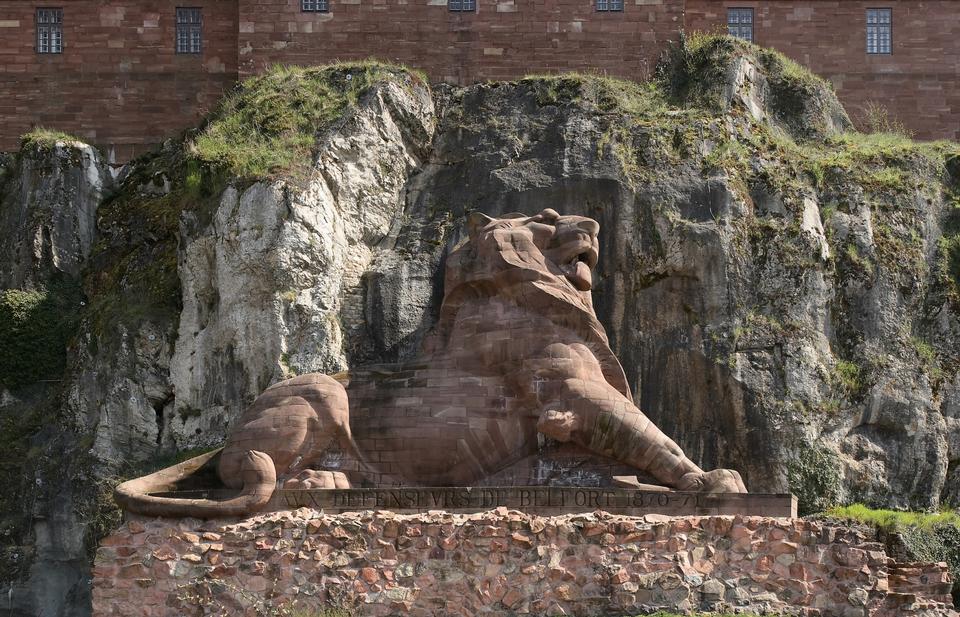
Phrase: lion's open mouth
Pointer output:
(577, 260)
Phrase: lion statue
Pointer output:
(517, 352)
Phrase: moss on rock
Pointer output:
(35, 326)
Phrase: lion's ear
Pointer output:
(476, 221)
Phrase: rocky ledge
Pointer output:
(504, 562)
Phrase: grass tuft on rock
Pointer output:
(45, 139)
(271, 122)
(600, 92)
(891, 520)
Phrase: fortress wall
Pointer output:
(504, 562)
(118, 83)
(503, 39)
(919, 82)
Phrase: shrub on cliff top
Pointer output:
(696, 70)
(270, 122)
(603, 93)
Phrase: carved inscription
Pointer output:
(482, 498)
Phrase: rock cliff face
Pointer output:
(783, 293)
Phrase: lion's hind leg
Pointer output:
(294, 422)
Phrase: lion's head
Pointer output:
(556, 251)
(543, 263)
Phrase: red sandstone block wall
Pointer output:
(503, 39)
(118, 82)
(918, 82)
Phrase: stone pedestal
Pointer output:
(541, 500)
(504, 562)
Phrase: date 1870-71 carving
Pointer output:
(517, 353)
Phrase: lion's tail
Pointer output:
(257, 472)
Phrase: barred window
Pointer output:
(462, 6)
(740, 23)
(49, 31)
(189, 30)
(879, 31)
(609, 5)
(314, 6)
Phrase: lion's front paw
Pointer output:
(716, 481)
(312, 478)
(558, 425)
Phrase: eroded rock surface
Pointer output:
(48, 222)
(275, 285)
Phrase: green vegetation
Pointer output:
(45, 139)
(948, 247)
(928, 358)
(35, 326)
(271, 123)
(877, 119)
(814, 477)
(848, 377)
(926, 536)
(599, 92)
(891, 520)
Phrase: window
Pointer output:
(609, 5)
(314, 6)
(462, 5)
(740, 23)
(189, 29)
(879, 31)
(49, 31)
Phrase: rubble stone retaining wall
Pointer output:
(504, 562)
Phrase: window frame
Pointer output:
(608, 6)
(189, 28)
(314, 6)
(739, 24)
(462, 6)
(53, 29)
(879, 25)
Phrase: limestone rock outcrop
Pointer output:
(50, 198)
(275, 284)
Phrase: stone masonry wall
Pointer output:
(504, 562)
(918, 82)
(118, 83)
(502, 39)
(120, 86)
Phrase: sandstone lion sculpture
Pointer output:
(517, 352)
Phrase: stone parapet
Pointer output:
(504, 562)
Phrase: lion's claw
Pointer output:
(716, 481)
(313, 478)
